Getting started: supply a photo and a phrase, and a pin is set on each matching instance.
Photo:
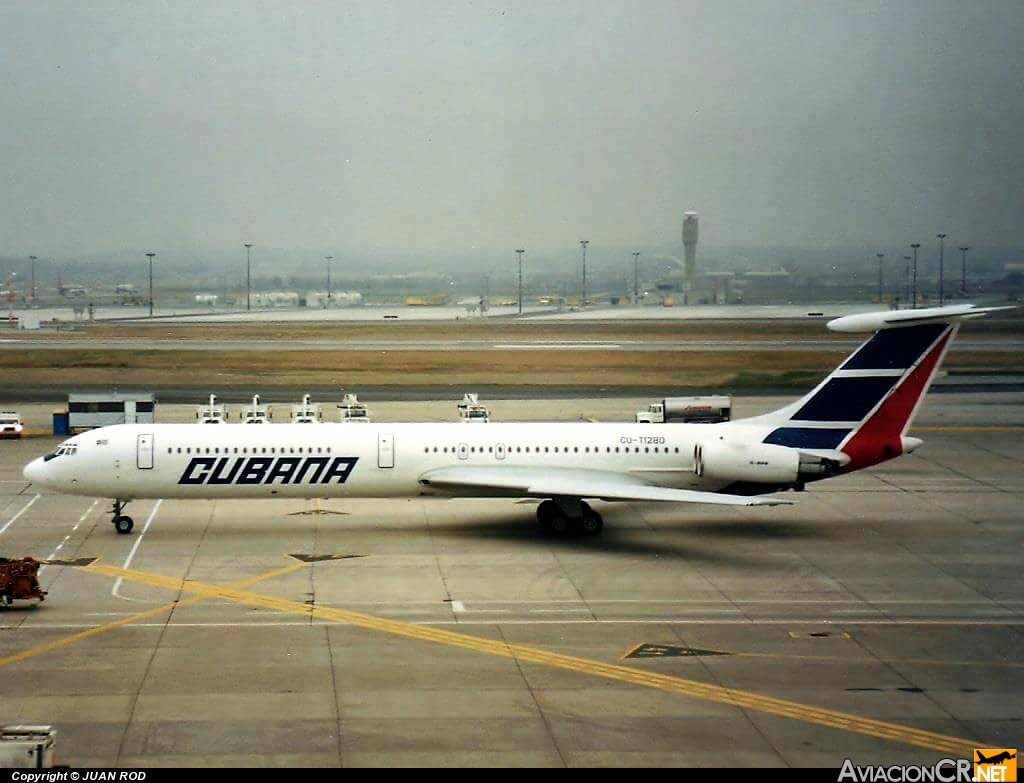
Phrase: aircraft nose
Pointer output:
(33, 471)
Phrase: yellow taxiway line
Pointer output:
(64, 641)
(693, 688)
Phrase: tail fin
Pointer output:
(865, 407)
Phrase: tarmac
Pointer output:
(183, 313)
(880, 619)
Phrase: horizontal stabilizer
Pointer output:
(891, 319)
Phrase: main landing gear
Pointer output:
(123, 523)
(562, 516)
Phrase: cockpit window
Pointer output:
(64, 450)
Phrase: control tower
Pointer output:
(690, 248)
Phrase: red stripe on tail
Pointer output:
(879, 438)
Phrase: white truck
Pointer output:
(689, 410)
(11, 425)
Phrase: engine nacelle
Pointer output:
(761, 463)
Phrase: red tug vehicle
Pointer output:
(19, 579)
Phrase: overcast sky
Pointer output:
(433, 125)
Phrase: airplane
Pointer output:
(1004, 756)
(70, 290)
(855, 418)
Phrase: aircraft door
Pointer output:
(144, 452)
(385, 450)
(463, 451)
(499, 450)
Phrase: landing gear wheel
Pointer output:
(591, 523)
(123, 524)
(552, 518)
(559, 524)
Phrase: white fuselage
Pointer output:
(374, 460)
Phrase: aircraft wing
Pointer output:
(577, 483)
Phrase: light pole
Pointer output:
(963, 271)
(150, 257)
(942, 265)
(913, 289)
(906, 279)
(583, 244)
(881, 256)
(33, 260)
(520, 254)
(328, 259)
(636, 276)
(248, 276)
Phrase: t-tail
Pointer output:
(863, 410)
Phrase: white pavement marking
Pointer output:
(135, 548)
(458, 606)
(60, 546)
(15, 517)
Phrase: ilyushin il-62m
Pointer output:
(855, 418)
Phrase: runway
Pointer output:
(702, 345)
(880, 619)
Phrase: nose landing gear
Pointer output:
(562, 516)
(123, 523)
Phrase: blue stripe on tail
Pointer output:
(846, 399)
(894, 349)
(807, 437)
